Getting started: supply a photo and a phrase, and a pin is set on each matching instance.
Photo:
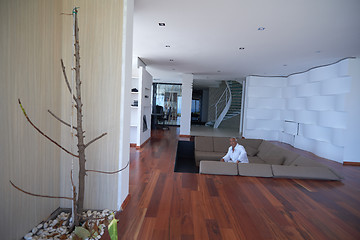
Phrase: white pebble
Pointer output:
(54, 222)
(34, 230)
(28, 236)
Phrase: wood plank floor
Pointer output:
(168, 205)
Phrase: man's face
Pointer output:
(232, 142)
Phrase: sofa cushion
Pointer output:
(217, 167)
(212, 156)
(221, 144)
(278, 160)
(255, 170)
(249, 142)
(256, 159)
(305, 162)
(264, 148)
(303, 172)
(204, 144)
(250, 151)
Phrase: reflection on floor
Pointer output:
(201, 130)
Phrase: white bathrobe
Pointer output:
(239, 154)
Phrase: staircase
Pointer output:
(236, 95)
(228, 105)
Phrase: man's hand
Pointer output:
(237, 161)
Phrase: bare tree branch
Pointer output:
(38, 195)
(66, 79)
(44, 133)
(63, 122)
(95, 139)
(110, 172)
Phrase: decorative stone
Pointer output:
(34, 230)
(28, 236)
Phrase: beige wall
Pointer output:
(30, 49)
(33, 38)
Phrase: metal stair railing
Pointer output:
(225, 99)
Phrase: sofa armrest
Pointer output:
(255, 170)
(217, 167)
(302, 172)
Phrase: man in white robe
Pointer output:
(236, 153)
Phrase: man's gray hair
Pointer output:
(234, 138)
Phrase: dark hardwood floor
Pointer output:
(168, 205)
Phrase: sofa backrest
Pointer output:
(272, 154)
(204, 144)
(221, 144)
(249, 142)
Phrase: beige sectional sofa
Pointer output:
(265, 160)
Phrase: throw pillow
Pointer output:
(250, 151)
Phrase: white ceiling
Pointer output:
(205, 36)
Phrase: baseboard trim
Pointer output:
(125, 203)
(184, 136)
(351, 163)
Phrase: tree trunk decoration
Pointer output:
(78, 197)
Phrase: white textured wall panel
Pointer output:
(321, 103)
(328, 150)
(267, 81)
(338, 137)
(265, 103)
(305, 143)
(287, 138)
(306, 90)
(317, 133)
(266, 92)
(264, 134)
(308, 117)
(290, 128)
(340, 103)
(326, 72)
(336, 86)
(274, 114)
(296, 104)
(289, 92)
(332, 119)
(264, 124)
(288, 115)
(343, 67)
(297, 79)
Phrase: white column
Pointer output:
(186, 95)
(124, 153)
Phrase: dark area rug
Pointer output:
(185, 159)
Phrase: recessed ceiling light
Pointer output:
(261, 29)
(171, 60)
(161, 24)
(167, 45)
(241, 48)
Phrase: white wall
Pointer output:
(352, 107)
(30, 49)
(313, 111)
(186, 94)
(145, 82)
(263, 107)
